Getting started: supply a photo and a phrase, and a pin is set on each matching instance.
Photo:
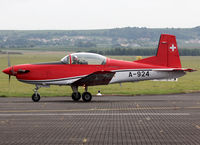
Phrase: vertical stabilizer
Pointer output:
(167, 53)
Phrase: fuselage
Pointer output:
(58, 73)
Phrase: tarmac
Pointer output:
(106, 120)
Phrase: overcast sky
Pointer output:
(98, 14)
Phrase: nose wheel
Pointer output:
(36, 95)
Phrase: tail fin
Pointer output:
(167, 53)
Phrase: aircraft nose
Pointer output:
(7, 71)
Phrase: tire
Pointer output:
(36, 97)
(87, 97)
(76, 96)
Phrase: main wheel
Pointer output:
(36, 97)
(76, 96)
(87, 97)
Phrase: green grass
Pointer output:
(186, 84)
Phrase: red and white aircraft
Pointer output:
(89, 69)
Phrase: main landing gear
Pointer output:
(76, 96)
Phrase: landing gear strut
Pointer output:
(86, 96)
(36, 95)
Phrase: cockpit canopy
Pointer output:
(84, 58)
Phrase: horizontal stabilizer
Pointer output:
(167, 80)
(177, 69)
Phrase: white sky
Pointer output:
(97, 14)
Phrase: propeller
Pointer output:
(9, 78)
(9, 66)
(12, 70)
(8, 59)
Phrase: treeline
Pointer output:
(144, 52)
(129, 37)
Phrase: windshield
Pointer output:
(84, 58)
(65, 60)
(88, 58)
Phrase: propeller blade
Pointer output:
(9, 79)
(9, 83)
(8, 60)
(12, 70)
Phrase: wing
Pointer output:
(96, 78)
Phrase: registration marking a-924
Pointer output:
(139, 74)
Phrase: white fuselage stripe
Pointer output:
(144, 74)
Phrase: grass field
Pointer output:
(186, 84)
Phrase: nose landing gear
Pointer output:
(36, 95)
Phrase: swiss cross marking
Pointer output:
(173, 47)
